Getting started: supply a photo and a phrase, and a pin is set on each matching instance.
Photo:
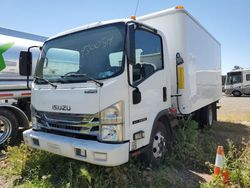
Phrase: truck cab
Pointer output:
(91, 92)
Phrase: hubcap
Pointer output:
(159, 144)
(5, 129)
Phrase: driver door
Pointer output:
(149, 76)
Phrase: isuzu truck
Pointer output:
(110, 90)
(14, 92)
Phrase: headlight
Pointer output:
(111, 120)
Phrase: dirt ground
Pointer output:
(234, 109)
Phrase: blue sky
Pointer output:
(227, 20)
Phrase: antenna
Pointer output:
(137, 5)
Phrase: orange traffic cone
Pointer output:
(219, 160)
(225, 175)
(218, 167)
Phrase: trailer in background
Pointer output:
(238, 82)
(14, 93)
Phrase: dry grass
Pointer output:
(234, 109)
(192, 150)
(243, 118)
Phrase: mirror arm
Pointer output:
(34, 47)
(128, 75)
(132, 85)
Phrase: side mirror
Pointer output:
(25, 63)
(131, 43)
(137, 72)
(136, 96)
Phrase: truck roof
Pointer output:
(88, 26)
(240, 70)
(155, 14)
(19, 34)
(172, 11)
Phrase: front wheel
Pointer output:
(8, 127)
(237, 93)
(160, 142)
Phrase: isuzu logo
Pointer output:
(61, 107)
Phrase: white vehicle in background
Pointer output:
(110, 90)
(238, 82)
(14, 94)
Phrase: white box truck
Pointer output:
(14, 94)
(110, 90)
(238, 82)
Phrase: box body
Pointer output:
(200, 75)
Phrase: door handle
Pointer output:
(164, 91)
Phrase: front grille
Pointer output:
(70, 123)
(68, 127)
(69, 117)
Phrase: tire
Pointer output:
(236, 93)
(8, 127)
(207, 116)
(159, 145)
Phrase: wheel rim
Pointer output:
(159, 145)
(5, 129)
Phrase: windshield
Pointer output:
(234, 78)
(97, 53)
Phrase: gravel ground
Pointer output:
(235, 109)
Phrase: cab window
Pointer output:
(234, 77)
(149, 57)
(248, 77)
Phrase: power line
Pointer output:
(137, 5)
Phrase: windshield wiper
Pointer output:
(72, 74)
(45, 80)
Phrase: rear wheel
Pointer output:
(8, 127)
(160, 142)
(237, 93)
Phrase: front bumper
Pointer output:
(90, 151)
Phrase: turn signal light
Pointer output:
(179, 7)
(139, 135)
(133, 17)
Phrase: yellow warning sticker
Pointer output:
(181, 78)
